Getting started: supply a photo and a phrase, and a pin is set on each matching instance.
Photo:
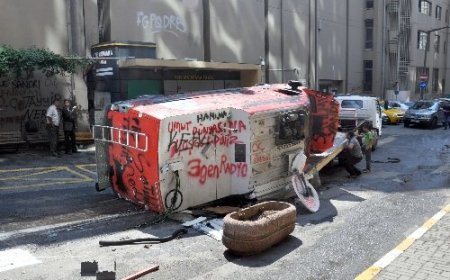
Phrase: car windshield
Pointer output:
(356, 104)
(422, 105)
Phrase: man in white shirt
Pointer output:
(53, 120)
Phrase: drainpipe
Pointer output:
(282, 40)
(308, 70)
(206, 31)
(69, 41)
(383, 53)
(347, 21)
(266, 42)
(316, 71)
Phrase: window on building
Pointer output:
(425, 7)
(435, 81)
(368, 69)
(369, 4)
(446, 16)
(369, 33)
(422, 38)
(437, 43)
(438, 12)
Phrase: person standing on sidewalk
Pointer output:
(352, 155)
(53, 118)
(69, 127)
(446, 109)
(367, 143)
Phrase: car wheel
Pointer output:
(406, 124)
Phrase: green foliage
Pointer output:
(20, 61)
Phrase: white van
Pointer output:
(356, 110)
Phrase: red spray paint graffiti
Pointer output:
(204, 171)
(184, 137)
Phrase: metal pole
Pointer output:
(427, 44)
(424, 69)
(383, 53)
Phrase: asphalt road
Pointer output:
(50, 212)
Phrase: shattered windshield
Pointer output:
(422, 105)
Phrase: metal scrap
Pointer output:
(89, 268)
(105, 275)
(142, 273)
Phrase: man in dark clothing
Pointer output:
(446, 109)
(352, 155)
(69, 126)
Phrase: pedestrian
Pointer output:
(352, 155)
(446, 109)
(368, 138)
(69, 126)
(53, 118)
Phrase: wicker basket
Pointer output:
(259, 227)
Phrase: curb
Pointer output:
(373, 270)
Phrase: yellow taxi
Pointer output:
(393, 115)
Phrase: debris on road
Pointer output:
(222, 210)
(142, 273)
(174, 235)
(89, 268)
(388, 160)
(212, 228)
(193, 222)
(105, 275)
(402, 180)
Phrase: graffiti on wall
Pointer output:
(211, 129)
(185, 136)
(158, 23)
(22, 100)
(202, 171)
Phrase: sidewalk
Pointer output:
(425, 254)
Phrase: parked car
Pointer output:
(427, 112)
(393, 115)
(409, 103)
(399, 105)
(384, 117)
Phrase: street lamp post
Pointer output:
(427, 45)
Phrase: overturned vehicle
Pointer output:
(169, 153)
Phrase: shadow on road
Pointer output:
(267, 257)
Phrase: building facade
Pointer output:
(375, 47)
(414, 36)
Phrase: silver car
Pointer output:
(427, 112)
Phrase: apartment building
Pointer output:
(410, 57)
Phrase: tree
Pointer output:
(20, 61)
